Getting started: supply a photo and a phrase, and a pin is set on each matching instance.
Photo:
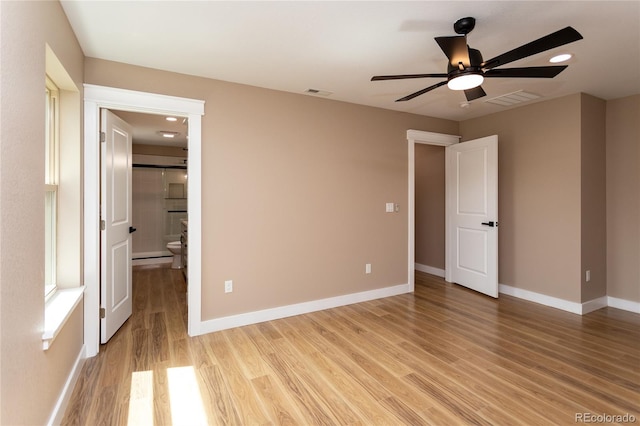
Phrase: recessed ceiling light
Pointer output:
(167, 134)
(171, 119)
(560, 58)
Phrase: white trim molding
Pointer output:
(65, 396)
(430, 138)
(543, 299)
(429, 270)
(593, 305)
(427, 138)
(57, 311)
(625, 305)
(95, 98)
(573, 307)
(255, 317)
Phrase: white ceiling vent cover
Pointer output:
(318, 92)
(512, 98)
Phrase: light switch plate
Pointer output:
(390, 207)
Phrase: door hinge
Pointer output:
(103, 137)
(102, 312)
(102, 225)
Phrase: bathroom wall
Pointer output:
(159, 202)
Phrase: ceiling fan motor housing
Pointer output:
(464, 25)
(473, 67)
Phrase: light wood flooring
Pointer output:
(443, 355)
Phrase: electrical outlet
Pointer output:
(367, 268)
(228, 286)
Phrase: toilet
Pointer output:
(176, 249)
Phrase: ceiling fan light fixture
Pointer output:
(465, 81)
(560, 58)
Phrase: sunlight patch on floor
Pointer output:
(186, 402)
(141, 398)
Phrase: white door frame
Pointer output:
(427, 138)
(95, 98)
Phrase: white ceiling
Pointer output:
(338, 46)
(148, 129)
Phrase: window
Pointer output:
(63, 289)
(52, 132)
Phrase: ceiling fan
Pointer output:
(466, 69)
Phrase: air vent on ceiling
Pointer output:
(318, 92)
(512, 98)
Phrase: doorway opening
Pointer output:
(471, 213)
(100, 97)
(428, 138)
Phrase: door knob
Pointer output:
(132, 229)
(490, 223)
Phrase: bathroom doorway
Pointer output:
(159, 186)
(143, 204)
(97, 98)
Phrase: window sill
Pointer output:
(57, 311)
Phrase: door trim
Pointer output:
(427, 138)
(95, 98)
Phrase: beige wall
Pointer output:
(32, 379)
(623, 198)
(294, 189)
(430, 209)
(539, 184)
(593, 198)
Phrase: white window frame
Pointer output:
(52, 146)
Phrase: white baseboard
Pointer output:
(542, 299)
(566, 305)
(594, 305)
(429, 270)
(217, 324)
(63, 400)
(145, 254)
(210, 326)
(626, 305)
(152, 261)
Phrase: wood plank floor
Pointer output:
(443, 355)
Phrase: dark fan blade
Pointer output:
(421, 92)
(455, 48)
(528, 72)
(475, 93)
(400, 77)
(559, 38)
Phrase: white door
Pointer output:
(472, 214)
(115, 211)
